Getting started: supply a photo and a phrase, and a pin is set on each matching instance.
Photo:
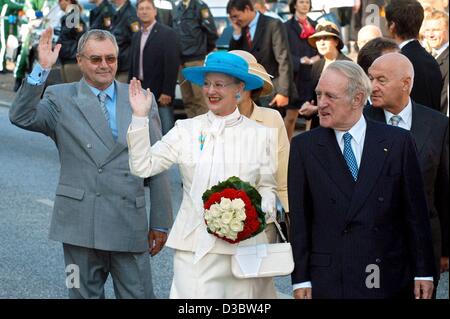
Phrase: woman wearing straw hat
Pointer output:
(327, 40)
(208, 148)
(269, 118)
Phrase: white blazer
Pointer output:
(251, 152)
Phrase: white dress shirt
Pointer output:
(405, 114)
(358, 133)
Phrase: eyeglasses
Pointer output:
(97, 60)
(217, 86)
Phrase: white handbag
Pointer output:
(263, 260)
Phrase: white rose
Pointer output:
(232, 235)
(225, 203)
(215, 211)
(240, 215)
(208, 216)
(237, 204)
(227, 217)
(225, 229)
(218, 225)
(236, 225)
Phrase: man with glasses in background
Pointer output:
(435, 29)
(99, 213)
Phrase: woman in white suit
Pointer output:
(209, 148)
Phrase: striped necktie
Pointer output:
(102, 99)
(248, 37)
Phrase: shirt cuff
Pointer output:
(38, 76)
(138, 122)
(424, 278)
(306, 284)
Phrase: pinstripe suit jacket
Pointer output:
(339, 227)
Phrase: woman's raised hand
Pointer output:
(140, 101)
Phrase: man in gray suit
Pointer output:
(99, 213)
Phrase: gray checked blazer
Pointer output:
(99, 203)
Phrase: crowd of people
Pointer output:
(366, 184)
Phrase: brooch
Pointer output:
(202, 139)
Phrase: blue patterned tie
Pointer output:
(350, 156)
(102, 99)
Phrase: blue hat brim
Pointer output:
(196, 75)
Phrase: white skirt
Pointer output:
(211, 278)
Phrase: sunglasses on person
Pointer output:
(97, 60)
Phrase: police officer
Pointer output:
(7, 8)
(125, 22)
(72, 28)
(164, 14)
(193, 22)
(101, 16)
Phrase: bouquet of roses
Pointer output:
(233, 210)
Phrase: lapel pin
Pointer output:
(386, 150)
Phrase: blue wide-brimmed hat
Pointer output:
(226, 63)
